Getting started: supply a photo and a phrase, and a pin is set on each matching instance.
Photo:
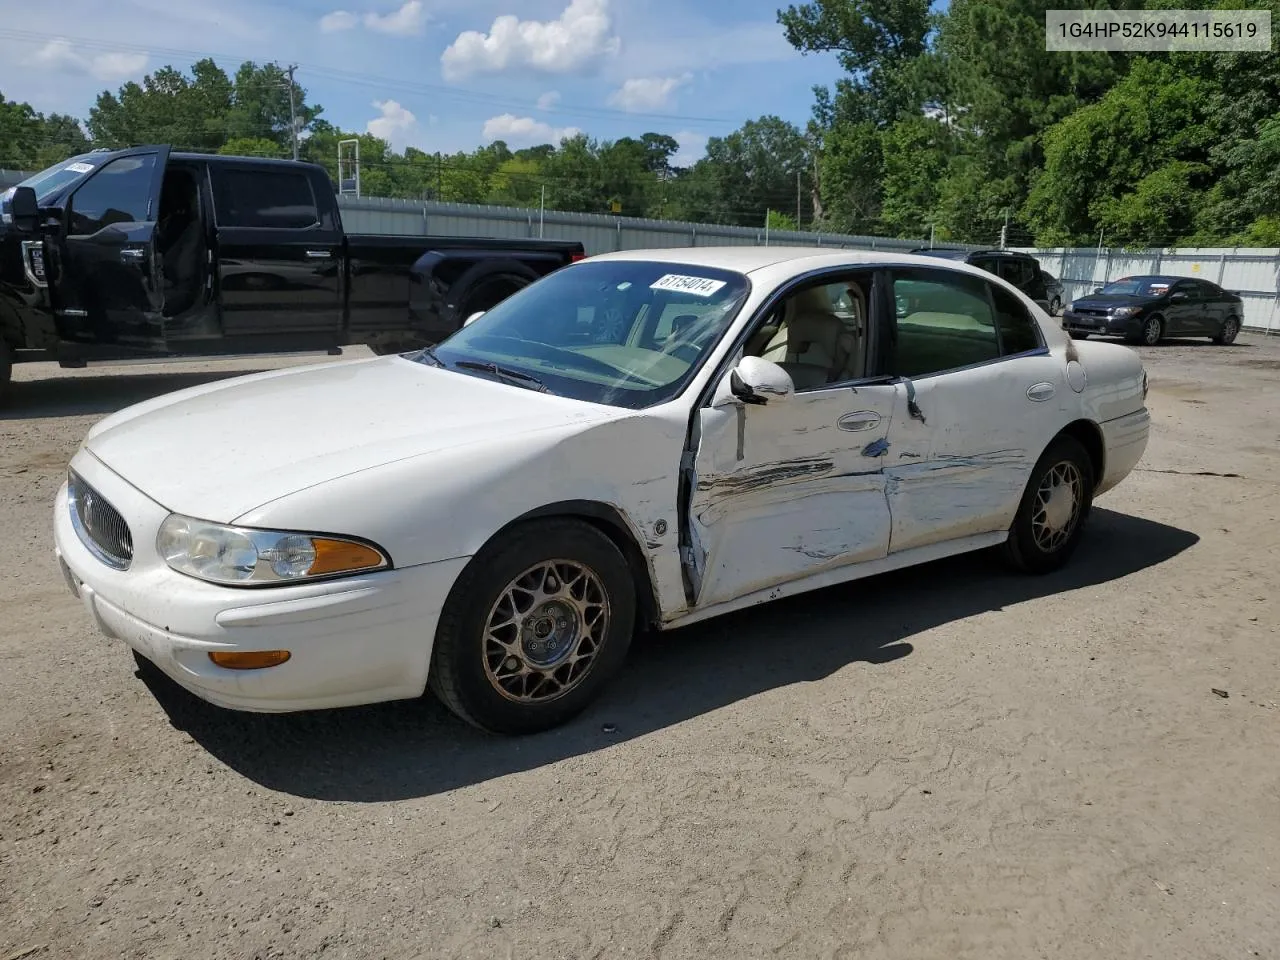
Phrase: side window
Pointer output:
(1188, 287)
(1018, 332)
(280, 199)
(1017, 271)
(120, 192)
(818, 334)
(945, 321)
(989, 264)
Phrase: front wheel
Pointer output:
(1229, 330)
(1152, 331)
(534, 628)
(1053, 510)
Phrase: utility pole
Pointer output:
(542, 210)
(1004, 231)
(293, 114)
(797, 199)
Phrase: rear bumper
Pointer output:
(1125, 440)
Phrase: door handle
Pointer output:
(1039, 392)
(133, 254)
(862, 420)
(319, 254)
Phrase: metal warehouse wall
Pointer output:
(599, 233)
(1252, 272)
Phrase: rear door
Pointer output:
(987, 399)
(278, 251)
(106, 285)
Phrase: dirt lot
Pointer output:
(952, 762)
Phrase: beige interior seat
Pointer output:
(812, 344)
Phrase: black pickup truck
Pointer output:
(145, 253)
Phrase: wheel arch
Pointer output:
(610, 521)
(1089, 435)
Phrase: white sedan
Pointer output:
(644, 438)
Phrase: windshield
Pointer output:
(1137, 287)
(52, 179)
(627, 333)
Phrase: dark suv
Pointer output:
(1020, 269)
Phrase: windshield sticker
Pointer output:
(698, 286)
(79, 167)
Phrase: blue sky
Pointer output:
(441, 74)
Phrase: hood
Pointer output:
(217, 451)
(1105, 301)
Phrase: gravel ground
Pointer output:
(952, 762)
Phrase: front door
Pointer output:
(795, 486)
(106, 285)
(987, 394)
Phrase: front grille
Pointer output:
(1090, 312)
(99, 524)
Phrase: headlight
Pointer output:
(243, 556)
(1121, 312)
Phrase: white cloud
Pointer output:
(548, 99)
(525, 130)
(647, 93)
(408, 20)
(692, 147)
(337, 21)
(579, 37)
(395, 124)
(61, 55)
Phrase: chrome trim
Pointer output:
(74, 505)
(28, 263)
(862, 420)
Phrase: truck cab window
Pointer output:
(118, 193)
(273, 199)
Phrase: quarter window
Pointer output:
(118, 193)
(264, 198)
(1018, 332)
(944, 322)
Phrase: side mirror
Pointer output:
(473, 318)
(24, 209)
(1177, 296)
(1097, 290)
(754, 380)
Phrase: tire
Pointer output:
(1230, 327)
(1152, 331)
(489, 292)
(6, 371)
(1055, 307)
(492, 690)
(1033, 545)
(1079, 336)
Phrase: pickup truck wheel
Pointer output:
(490, 292)
(1054, 508)
(6, 370)
(534, 628)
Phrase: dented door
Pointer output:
(788, 489)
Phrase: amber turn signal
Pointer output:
(342, 556)
(248, 659)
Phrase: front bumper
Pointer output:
(359, 640)
(1101, 326)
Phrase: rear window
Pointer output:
(279, 199)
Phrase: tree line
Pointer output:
(955, 125)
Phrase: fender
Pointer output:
(441, 280)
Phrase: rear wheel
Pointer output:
(534, 628)
(1230, 328)
(490, 292)
(1054, 508)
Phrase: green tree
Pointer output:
(32, 141)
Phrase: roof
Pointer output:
(953, 254)
(218, 158)
(744, 259)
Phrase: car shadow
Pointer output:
(416, 748)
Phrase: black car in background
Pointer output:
(1053, 292)
(1147, 309)
(1020, 269)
